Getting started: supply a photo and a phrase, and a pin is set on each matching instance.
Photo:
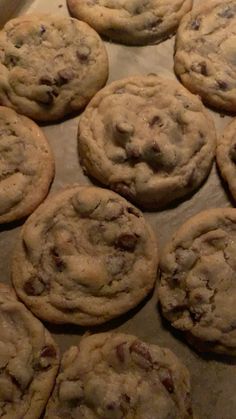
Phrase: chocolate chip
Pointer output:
(49, 351)
(200, 68)
(126, 242)
(167, 381)
(11, 60)
(83, 53)
(154, 23)
(222, 85)
(134, 211)
(141, 349)
(155, 148)
(195, 24)
(120, 352)
(126, 398)
(47, 80)
(60, 265)
(64, 76)
(232, 153)
(132, 152)
(47, 98)
(42, 29)
(34, 286)
(156, 120)
(226, 12)
(111, 406)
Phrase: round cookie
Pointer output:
(114, 375)
(29, 360)
(85, 256)
(50, 66)
(205, 53)
(147, 138)
(226, 156)
(132, 22)
(198, 283)
(26, 165)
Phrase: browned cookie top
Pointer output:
(133, 22)
(85, 256)
(50, 65)
(147, 138)
(28, 360)
(226, 156)
(114, 376)
(205, 58)
(26, 165)
(198, 283)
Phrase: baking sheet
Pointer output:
(213, 379)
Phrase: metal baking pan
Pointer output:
(213, 378)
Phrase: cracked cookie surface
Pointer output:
(114, 376)
(29, 360)
(50, 66)
(135, 22)
(85, 256)
(205, 58)
(226, 156)
(198, 283)
(147, 138)
(26, 165)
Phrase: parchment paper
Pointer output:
(213, 378)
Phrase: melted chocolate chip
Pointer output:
(154, 23)
(195, 24)
(226, 12)
(133, 153)
(64, 76)
(33, 286)
(232, 153)
(47, 99)
(49, 351)
(167, 382)
(126, 242)
(134, 211)
(11, 60)
(141, 349)
(47, 80)
(83, 53)
(60, 265)
(222, 85)
(203, 68)
(120, 352)
(42, 29)
(156, 120)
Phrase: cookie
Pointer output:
(147, 138)
(50, 66)
(26, 165)
(85, 256)
(205, 58)
(114, 375)
(198, 282)
(226, 156)
(132, 22)
(29, 360)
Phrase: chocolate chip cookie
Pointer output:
(205, 58)
(136, 22)
(50, 66)
(26, 165)
(29, 360)
(85, 256)
(114, 375)
(198, 283)
(147, 138)
(226, 156)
